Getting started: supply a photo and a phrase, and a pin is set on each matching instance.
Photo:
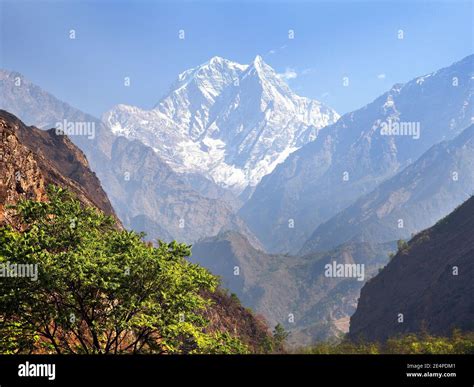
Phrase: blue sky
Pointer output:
(139, 39)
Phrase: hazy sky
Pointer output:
(139, 39)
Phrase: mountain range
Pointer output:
(412, 200)
(270, 187)
(160, 202)
(353, 156)
(364, 233)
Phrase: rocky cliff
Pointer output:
(31, 159)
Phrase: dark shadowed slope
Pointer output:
(429, 284)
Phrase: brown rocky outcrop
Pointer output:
(32, 159)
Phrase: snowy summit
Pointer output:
(230, 122)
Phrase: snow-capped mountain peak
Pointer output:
(215, 67)
(259, 64)
(231, 122)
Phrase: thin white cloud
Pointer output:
(381, 76)
(288, 74)
(275, 50)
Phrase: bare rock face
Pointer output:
(32, 159)
(20, 174)
(426, 287)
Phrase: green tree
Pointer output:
(402, 245)
(100, 289)
(279, 336)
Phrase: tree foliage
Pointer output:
(279, 336)
(457, 343)
(402, 245)
(100, 289)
